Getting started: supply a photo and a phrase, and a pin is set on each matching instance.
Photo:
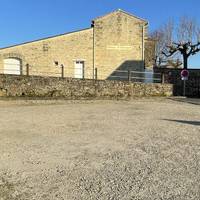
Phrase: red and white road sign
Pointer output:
(184, 74)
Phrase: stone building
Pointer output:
(115, 41)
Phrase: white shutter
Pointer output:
(12, 66)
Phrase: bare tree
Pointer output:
(186, 49)
(174, 63)
(163, 37)
(187, 30)
(198, 33)
(181, 41)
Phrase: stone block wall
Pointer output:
(68, 88)
(116, 43)
(150, 49)
(66, 49)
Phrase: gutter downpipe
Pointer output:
(143, 43)
(93, 56)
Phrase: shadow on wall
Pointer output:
(121, 72)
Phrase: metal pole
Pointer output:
(184, 87)
(62, 71)
(93, 50)
(27, 69)
(163, 78)
(129, 75)
(143, 46)
(83, 72)
(96, 75)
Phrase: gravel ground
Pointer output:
(145, 149)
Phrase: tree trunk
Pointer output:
(185, 61)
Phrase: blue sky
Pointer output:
(25, 20)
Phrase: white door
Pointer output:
(79, 69)
(12, 66)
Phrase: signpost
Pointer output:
(184, 77)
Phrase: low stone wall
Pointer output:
(35, 86)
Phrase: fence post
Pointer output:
(129, 75)
(162, 78)
(96, 77)
(62, 71)
(83, 72)
(27, 69)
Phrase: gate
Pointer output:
(193, 86)
(173, 76)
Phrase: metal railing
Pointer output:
(136, 76)
(98, 74)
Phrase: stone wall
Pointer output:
(66, 49)
(35, 86)
(118, 43)
(150, 48)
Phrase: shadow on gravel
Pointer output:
(195, 123)
(193, 101)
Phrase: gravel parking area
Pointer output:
(146, 149)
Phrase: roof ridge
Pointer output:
(45, 38)
(132, 15)
(120, 10)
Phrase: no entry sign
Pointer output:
(184, 74)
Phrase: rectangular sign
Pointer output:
(119, 47)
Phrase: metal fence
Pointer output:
(136, 76)
(98, 74)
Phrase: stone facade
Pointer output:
(150, 48)
(65, 48)
(115, 42)
(68, 88)
(119, 41)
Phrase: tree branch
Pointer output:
(194, 49)
(171, 51)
